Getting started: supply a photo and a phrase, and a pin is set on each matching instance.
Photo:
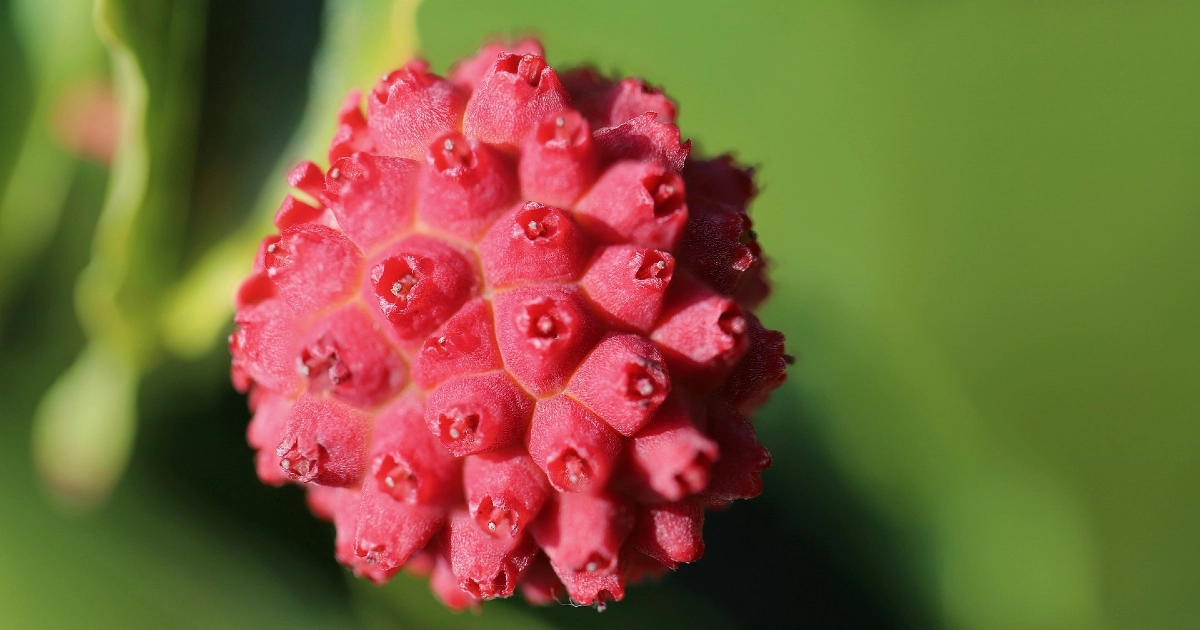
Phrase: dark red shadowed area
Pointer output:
(736, 475)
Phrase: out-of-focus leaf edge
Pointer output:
(44, 48)
(119, 291)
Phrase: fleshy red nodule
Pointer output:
(506, 339)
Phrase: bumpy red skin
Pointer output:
(506, 338)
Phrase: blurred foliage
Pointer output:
(46, 48)
(85, 426)
(983, 220)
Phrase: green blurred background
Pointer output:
(984, 220)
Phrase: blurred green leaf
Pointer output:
(84, 427)
(155, 50)
(143, 561)
(61, 48)
(16, 101)
(361, 41)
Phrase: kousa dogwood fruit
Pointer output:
(506, 337)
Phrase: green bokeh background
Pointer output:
(984, 221)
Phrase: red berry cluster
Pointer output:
(506, 338)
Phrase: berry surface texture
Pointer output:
(505, 340)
